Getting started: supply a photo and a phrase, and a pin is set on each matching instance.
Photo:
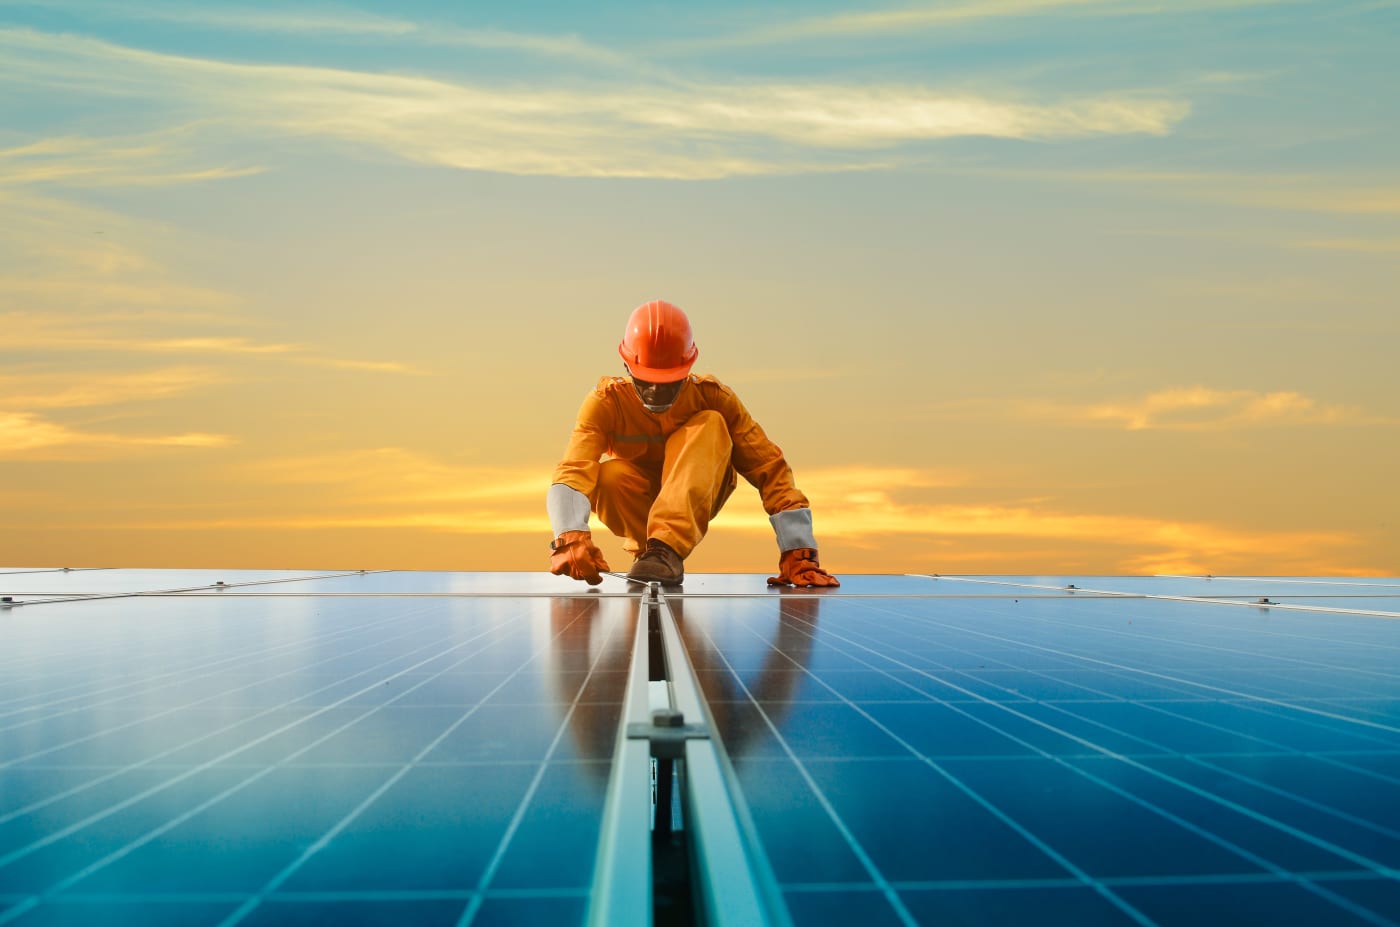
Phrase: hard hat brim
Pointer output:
(657, 374)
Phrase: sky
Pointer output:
(1019, 286)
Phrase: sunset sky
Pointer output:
(1020, 286)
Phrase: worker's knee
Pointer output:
(710, 426)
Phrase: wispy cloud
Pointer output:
(1200, 408)
(1290, 192)
(393, 487)
(396, 475)
(339, 23)
(114, 334)
(79, 161)
(1191, 408)
(944, 15)
(69, 391)
(26, 436)
(643, 130)
(27, 331)
(865, 507)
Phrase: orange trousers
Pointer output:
(675, 505)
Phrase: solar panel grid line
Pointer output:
(1364, 862)
(98, 647)
(1272, 710)
(488, 875)
(1219, 690)
(1276, 606)
(1276, 744)
(1006, 582)
(1201, 760)
(202, 668)
(89, 647)
(1256, 783)
(102, 596)
(1287, 580)
(54, 836)
(888, 887)
(1158, 707)
(183, 745)
(877, 878)
(1077, 591)
(1249, 701)
(143, 719)
(200, 594)
(325, 839)
(1255, 632)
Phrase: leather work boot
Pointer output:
(658, 564)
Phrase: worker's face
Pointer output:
(657, 397)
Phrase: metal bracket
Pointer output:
(667, 733)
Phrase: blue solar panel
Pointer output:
(278, 747)
(1061, 761)
(306, 760)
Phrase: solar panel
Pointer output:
(196, 747)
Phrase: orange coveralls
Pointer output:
(665, 475)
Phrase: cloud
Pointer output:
(862, 507)
(26, 436)
(943, 15)
(1200, 408)
(474, 521)
(28, 331)
(1316, 193)
(1192, 408)
(340, 23)
(389, 488)
(395, 475)
(691, 131)
(68, 391)
(101, 333)
(78, 161)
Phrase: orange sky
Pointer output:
(284, 290)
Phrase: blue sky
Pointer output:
(1019, 284)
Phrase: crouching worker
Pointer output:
(656, 454)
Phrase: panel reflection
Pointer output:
(591, 647)
(738, 669)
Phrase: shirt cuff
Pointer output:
(568, 509)
(794, 529)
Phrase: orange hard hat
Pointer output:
(657, 345)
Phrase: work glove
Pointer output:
(576, 556)
(799, 567)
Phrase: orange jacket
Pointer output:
(613, 422)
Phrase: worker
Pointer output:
(655, 454)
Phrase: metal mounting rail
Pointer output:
(730, 881)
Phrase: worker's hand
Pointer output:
(800, 568)
(575, 555)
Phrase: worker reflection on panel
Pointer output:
(587, 646)
(657, 452)
(776, 681)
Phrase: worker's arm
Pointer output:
(587, 443)
(572, 552)
(797, 562)
(761, 462)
